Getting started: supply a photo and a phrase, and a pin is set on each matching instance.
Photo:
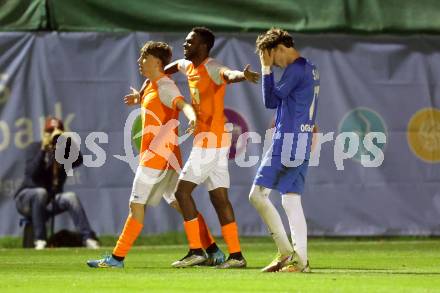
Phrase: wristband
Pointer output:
(265, 70)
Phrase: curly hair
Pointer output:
(206, 35)
(273, 38)
(159, 50)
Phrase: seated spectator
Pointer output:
(41, 194)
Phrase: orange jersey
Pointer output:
(207, 87)
(159, 144)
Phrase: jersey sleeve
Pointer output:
(273, 93)
(169, 93)
(289, 80)
(215, 71)
(182, 65)
(270, 100)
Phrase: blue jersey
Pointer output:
(295, 97)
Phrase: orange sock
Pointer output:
(205, 235)
(230, 234)
(131, 231)
(193, 233)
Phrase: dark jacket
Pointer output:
(39, 169)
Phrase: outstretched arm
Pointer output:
(189, 112)
(134, 98)
(232, 76)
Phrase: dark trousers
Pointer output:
(33, 203)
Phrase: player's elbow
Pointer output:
(270, 101)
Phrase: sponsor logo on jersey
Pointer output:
(306, 128)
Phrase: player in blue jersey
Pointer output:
(284, 166)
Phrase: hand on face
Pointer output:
(52, 126)
(266, 57)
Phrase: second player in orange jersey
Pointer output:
(208, 161)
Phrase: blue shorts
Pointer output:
(281, 178)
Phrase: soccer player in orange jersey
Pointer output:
(156, 175)
(208, 161)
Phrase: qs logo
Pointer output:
(423, 135)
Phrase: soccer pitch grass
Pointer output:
(337, 266)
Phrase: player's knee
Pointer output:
(41, 194)
(136, 209)
(255, 197)
(180, 195)
(131, 206)
(220, 202)
(175, 205)
(71, 197)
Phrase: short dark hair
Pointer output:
(159, 50)
(206, 35)
(273, 38)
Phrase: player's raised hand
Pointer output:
(250, 75)
(133, 98)
(266, 57)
